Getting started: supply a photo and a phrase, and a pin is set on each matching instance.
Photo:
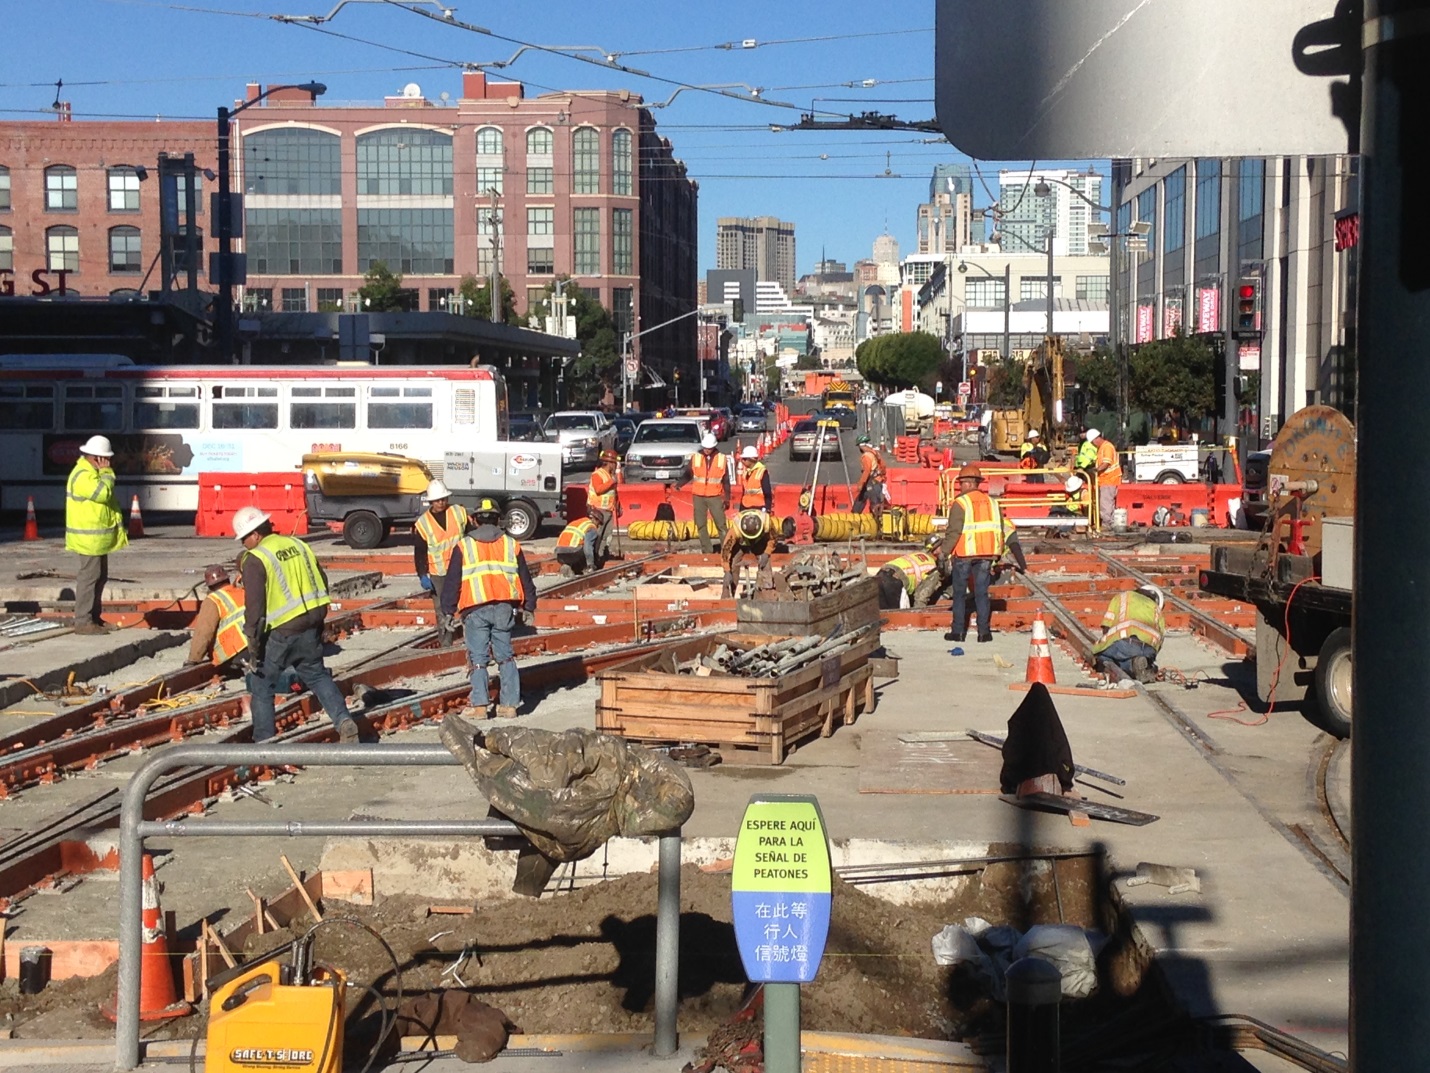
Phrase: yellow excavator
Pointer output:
(1043, 406)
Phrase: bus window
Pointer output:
(27, 406)
(94, 407)
(323, 407)
(166, 407)
(245, 406)
(399, 407)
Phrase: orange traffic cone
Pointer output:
(32, 527)
(1040, 656)
(136, 520)
(158, 997)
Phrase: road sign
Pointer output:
(780, 888)
(1136, 245)
(965, 387)
(633, 368)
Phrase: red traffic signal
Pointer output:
(1248, 307)
(1246, 290)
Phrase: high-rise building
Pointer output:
(945, 221)
(951, 179)
(762, 243)
(1025, 216)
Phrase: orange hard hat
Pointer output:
(610, 456)
(971, 471)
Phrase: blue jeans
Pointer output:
(286, 655)
(487, 630)
(1122, 652)
(980, 570)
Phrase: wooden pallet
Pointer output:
(754, 720)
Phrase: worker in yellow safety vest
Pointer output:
(434, 535)
(285, 606)
(489, 589)
(754, 533)
(1132, 632)
(902, 580)
(93, 528)
(977, 537)
(1032, 454)
(576, 545)
(218, 627)
(756, 493)
(602, 503)
(709, 490)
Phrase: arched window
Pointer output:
(399, 160)
(7, 250)
(621, 181)
(123, 189)
(489, 141)
(124, 255)
(539, 142)
(61, 189)
(586, 161)
(292, 160)
(291, 233)
(4, 188)
(62, 248)
(491, 167)
(540, 167)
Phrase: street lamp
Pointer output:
(223, 311)
(1049, 249)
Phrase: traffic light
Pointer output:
(737, 311)
(1248, 308)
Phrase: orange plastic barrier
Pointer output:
(279, 495)
(906, 449)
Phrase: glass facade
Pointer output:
(1251, 189)
(406, 240)
(1175, 210)
(292, 161)
(1208, 212)
(621, 171)
(124, 254)
(402, 161)
(1092, 288)
(622, 309)
(622, 242)
(586, 161)
(588, 241)
(123, 190)
(280, 241)
(61, 189)
(1147, 213)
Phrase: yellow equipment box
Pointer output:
(258, 1021)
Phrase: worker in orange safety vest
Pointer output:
(218, 627)
(602, 503)
(434, 535)
(709, 490)
(977, 537)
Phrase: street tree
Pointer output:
(381, 291)
(1173, 380)
(901, 359)
(595, 375)
(477, 299)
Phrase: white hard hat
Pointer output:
(437, 490)
(1033, 434)
(1072, 484)
(750, 453)
(1093, 433)
(246, 520)
(97, 445)
(709, 442)
(1154, 593)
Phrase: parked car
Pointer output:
(583, 435)
(625, 432)
(729, 416)
(662, 449)
(751, 419)
(806, 435)
(720, 426)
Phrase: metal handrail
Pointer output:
(133, 829)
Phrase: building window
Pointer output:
(622, 309)
(123, 190)
(535, 296)
(292, 161)
(124, 253)
(1207, 221)
(622, 242)
(588, 242)
(258, 299)
(539, 142)
(984, 293)
(295, 300)
(586, 161)
(621, 182)
(7, 250)
(190, 186)
(541, 181)
(489, 179)
(540, 174)
(399, 407)
(489, 141)
(4, 189)
(540, 224)
(1175, 210)
(245, 405)
(1147, 213)
(1035, 288)
(439, 300)
(404, 161)
(491, 171)
(322, 407)
(540, 232)
(62, 248)
(407, 240)
(330, 299)
(540, 260)
(490, 234)
(291, 241)
(61, 189)
(1092, 288)
(1252, 188)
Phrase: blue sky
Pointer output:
(141, 58)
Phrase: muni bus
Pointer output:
(168, 424)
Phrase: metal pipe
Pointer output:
(133, 829)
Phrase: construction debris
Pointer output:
(775, 658)
(1176, 880)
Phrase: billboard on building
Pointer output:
(1171, 316)
(1144, 323)
(1208, 309)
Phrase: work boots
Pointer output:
(1142, 669)
(460, 739)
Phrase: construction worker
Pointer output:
(756, 492)
(434, 535)
(489, 588)
(1033, 455)
(752, 534)
(1109, 474)
(977, 537)
(93, 528)
(576, 546)
(1074, 488)
(1132, 632)
(709, 489)
(1087, 452)
(601, 502)
(218, 627)
(901, 580)
(870, 491)
(285, 607)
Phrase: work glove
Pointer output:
(426, 582)
(452, 624)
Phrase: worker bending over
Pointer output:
(901, 580)
(93, 528)
(489, 588)
(601, 503)
(1132, 632)
(752, 534)
(434, 535)
(283, 615)
(576, 545)
(218, 627)
(870, 491)
(977, 537)
(1033, 455)
(709, 490)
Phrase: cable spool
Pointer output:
(1316, 444)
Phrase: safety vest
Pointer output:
(753, 496)
(1086, 455)
(93, 524)
(985, 531)
(872, 463)
(1108, 453)
(601, 491)
(490, 573)
(915, 567)
(441, 539)
(1131, 614)
(574, 535)
(708, 473)
(295, 584)
(229, 641)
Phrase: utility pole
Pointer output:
(1008, 310)
(1050, 282)
(496, 257)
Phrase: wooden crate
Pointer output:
(756, 720)
(855, 605)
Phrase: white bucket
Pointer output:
(1119, 519)
(1201, 517)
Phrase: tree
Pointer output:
(477, 294)
(807, 361)
(1173, 380)
(382, 290)
(1005, 383)
(596, 373)
(902, 359)
(1100, 378)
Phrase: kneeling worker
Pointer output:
(218, 628)
(488, 586)
(576, 546)
(1132, 632)
(901, 580)
(752, 534)
(283, 622)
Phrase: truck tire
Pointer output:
(521, 520)
(1333, 684)
(363, 529)
(1171, 476)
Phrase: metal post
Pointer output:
(191, 224)
(782, 1027)
(223, 305)
(1389, 841)
(1114, 315)
(667, 946)
(1231, 346)
(626, 373)
(1050, 282)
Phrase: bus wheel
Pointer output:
(362, 529)
(521, 520)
